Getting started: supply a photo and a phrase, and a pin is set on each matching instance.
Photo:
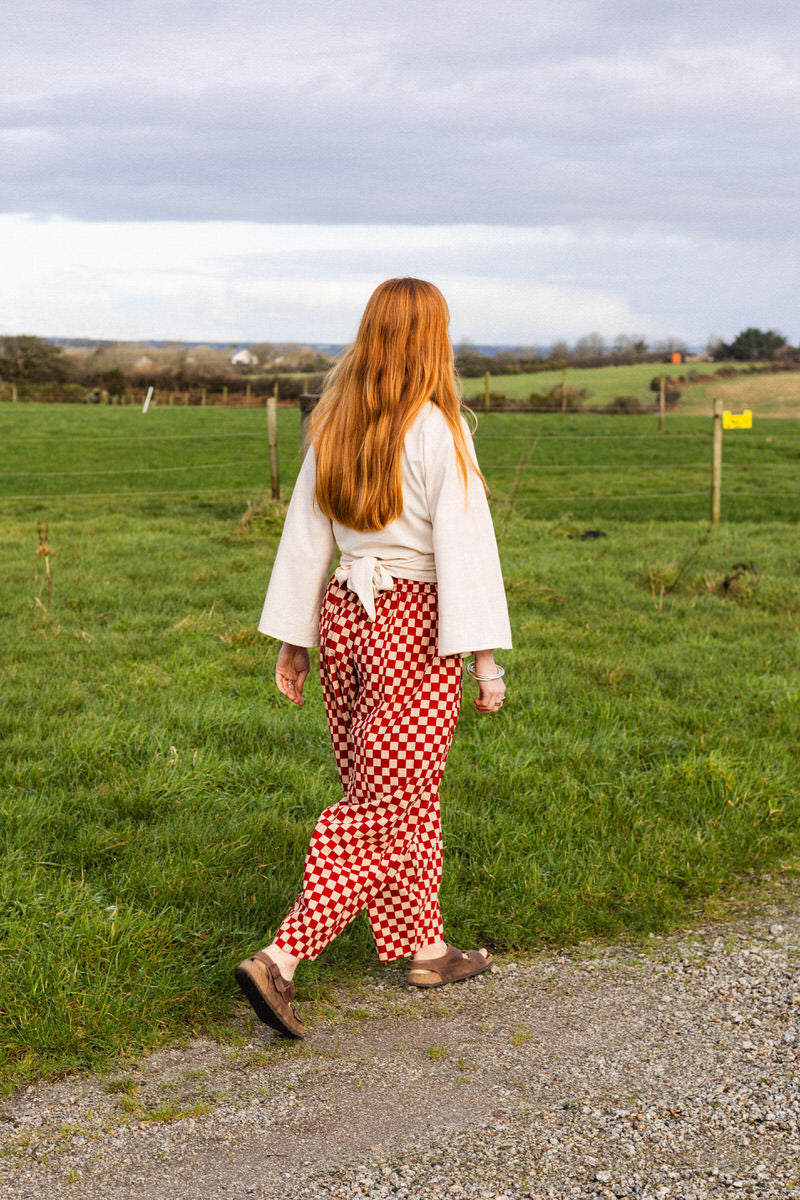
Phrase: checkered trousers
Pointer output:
(392, 706)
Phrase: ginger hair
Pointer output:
(401, 359)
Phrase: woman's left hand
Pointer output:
(291, 670)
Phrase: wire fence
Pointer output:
(247, 474)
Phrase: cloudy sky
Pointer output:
(251, 170)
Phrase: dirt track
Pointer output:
(664, 1071)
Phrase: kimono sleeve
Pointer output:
(473, 614)
(294, 596)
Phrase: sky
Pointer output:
(250, 171)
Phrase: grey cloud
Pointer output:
(434, 112)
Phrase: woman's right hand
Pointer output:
(491, 692)
(291, 670)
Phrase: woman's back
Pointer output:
(444, 534)
(407, 541)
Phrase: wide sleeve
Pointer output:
(294, 597)
(473, 614)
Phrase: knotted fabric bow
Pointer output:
(367, 577)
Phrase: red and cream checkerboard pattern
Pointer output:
(392, 706)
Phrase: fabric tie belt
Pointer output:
(366, 577)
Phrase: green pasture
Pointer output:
(770, 395)
(156, 794)
(603, 382)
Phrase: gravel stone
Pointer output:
(663, 1071)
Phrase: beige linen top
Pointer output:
(440, 536)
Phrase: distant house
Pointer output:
(244, 358)
(143, 363)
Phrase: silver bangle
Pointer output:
(483, 678)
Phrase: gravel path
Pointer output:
(611, 1071)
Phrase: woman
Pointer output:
(392, 482)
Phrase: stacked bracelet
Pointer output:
(483, 678)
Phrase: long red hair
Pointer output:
(401, 358)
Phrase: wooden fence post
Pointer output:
(272, 434)
(716, 463)
(14, 392)
(564, 394)
(487, 392)
(662, 401)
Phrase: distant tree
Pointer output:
(592, 345)
(470, 363)
(293, 356)
(669, 346)
(28, 359)
(558, 352)
(264, 352)
(203, 362)
(114, 382)
(506, 359)
(633, 344)
(751, 345)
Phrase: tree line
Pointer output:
(115, 367)
(593, 350)
(38, 369)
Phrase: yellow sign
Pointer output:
(742, 420)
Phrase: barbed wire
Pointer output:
(131, 495)
(590, 437)
(485, 437)
(122, 470)
(621, 437)
(262, 488)
(258, 463)
(121, 437)
(621, 467)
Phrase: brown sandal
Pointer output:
(269, 994)
(451, 967)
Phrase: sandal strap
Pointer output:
(285, 987)
(450, 967)
(433, 964)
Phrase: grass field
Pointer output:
(156, 795)
(767, 395)
(603, 382)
